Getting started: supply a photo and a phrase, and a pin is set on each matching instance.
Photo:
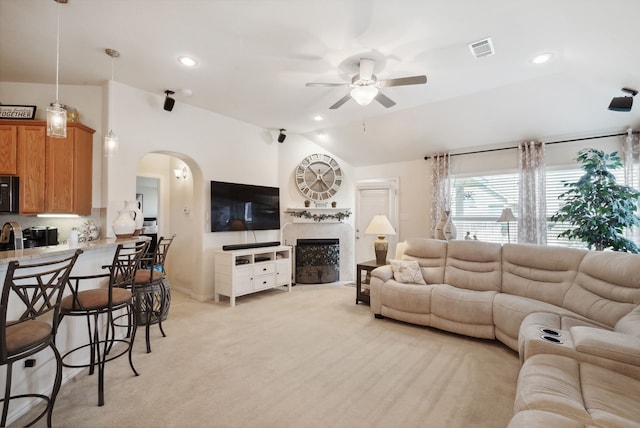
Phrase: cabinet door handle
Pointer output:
(264, 269)
(264, 282)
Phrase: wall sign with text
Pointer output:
(17, 112)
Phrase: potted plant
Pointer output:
(597, 207)
(307, 202)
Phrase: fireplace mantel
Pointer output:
(318, 215)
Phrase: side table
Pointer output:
(362, 294)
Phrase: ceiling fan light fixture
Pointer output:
(363, 95)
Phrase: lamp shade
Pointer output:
(380, 225)
(506, 216)
(364, 94)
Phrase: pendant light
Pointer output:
(56, 114)
(111, 140)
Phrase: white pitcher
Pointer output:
(124, 225)
(137, 215)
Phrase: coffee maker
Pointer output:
(40, 236)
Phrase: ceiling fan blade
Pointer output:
(384, 100)
(402, 81)
(327, 84)
(340, 102)
(366, 68)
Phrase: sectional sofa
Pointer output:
(572, 315)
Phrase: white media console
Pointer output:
(248, 270)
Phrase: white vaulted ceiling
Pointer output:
(255, 56)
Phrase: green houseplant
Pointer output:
(597, 207)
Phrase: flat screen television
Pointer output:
(236, 207)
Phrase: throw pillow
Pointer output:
(407, 272)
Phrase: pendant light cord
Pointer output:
(57, 49)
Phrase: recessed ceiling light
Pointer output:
(318, 118)
(187, 61)
(542, 58)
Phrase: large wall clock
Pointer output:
(318, 177)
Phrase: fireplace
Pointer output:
(317, 261)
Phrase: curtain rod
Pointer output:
(549, 143)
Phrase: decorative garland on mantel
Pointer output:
(340, 215)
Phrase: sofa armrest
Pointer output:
(383, 272)
(607, 344)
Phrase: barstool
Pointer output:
(30, 293)
(152, 297)
(92, 303)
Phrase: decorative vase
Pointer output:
(439, 232)
(137, 215)
(449, 229)
(124, 225)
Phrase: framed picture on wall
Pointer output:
(139, 197)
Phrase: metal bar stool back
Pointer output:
(151, 294)
(30, 296)
(98, 306)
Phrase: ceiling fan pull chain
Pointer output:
(364, 126)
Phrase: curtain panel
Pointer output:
(532, 206)
(440, 188)
(631, 157)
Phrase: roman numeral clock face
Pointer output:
(318, 177)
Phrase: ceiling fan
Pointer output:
(365, 87)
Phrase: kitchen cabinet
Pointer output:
(31, 168)
(55, 173)
(9, 149)
(68, 172)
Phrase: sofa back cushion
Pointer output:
(607, 286)
(430, 254)
(474, 265)
(539, 272)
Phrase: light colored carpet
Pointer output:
(309, 358)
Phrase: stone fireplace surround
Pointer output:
(342, 231)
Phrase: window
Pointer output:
(477, 202)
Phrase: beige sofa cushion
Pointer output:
(630, 323)
(474, 265)
(542, 419)
(463, 311)
(582, 391)
(537, 272)
(430, 254)
(606, 288)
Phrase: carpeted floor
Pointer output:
(309, 358)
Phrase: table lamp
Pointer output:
(380, 226)
(506, 217)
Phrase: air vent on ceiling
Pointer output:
(482, 48)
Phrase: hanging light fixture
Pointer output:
(364, 94)
(111, 140)
(56, 114)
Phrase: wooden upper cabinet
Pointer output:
(69, 172)
(31, 168)
(55, 173)
(8, 149)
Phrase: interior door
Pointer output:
(375, 197)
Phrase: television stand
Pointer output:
(248, 270)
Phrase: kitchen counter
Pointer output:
(31, 254)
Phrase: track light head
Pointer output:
(623, 103)
(282, 136)
(168, 101)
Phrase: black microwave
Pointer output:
(9, 194)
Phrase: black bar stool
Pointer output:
(92, 303)
(32, 291)
(152, 296)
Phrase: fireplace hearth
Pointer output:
(317, 261)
